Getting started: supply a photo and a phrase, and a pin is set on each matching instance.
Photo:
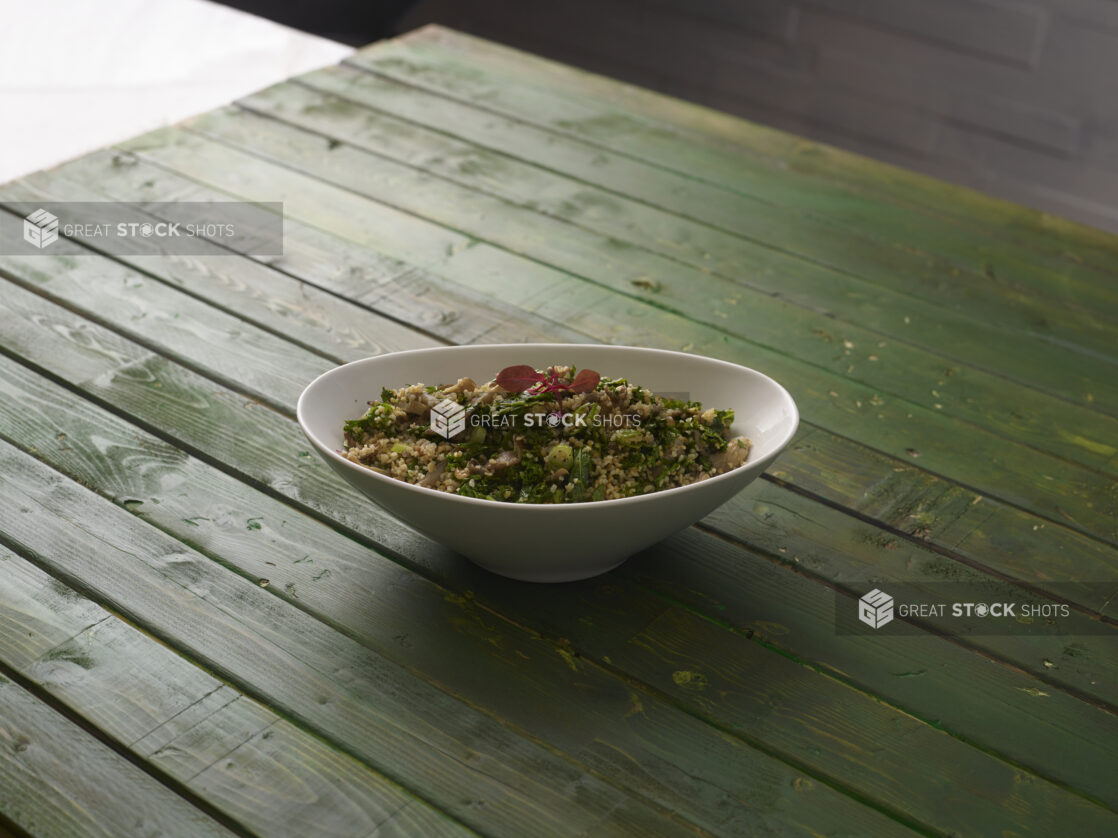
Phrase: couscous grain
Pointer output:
(564, 439)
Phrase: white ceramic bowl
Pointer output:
(550, 542)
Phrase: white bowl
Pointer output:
(550, 542)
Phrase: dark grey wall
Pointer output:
(1017, 98)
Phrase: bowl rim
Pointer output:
(424, 491)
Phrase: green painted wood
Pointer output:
(1077, 558)
(1063, 557)
(893, 368)
(352, 292)
(470, 766)
(262, 772)
(922, 519)
(670, 758)
(60, 782)
(636, 641)
(881, 779)
(888, 468)
(98, 449)
(749, 692)
(88, 266)
(772, 592)
(1052, 256)
(337, 505)
(976, 336)
(996, 466)
(273, 370)
(307, 773)
(294, 310)
(980, 530)
(182, 324)
(466, 141)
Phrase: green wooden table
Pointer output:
(203, 632)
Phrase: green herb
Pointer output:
(662, 444)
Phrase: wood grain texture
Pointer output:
(895, 368)
(773, 593)
(316, 569)
(261, 771)
(919, 520)
(207, 518)
(60, 782)
(903, 484)
(748, 692)
(474, 769)
(1038, 482)
(480, 135)
(894, 204)
(271, 368)
(1047, 540)
(190, 581)
(468, 664)
(532, 613)
(297, 311)
(944, 302)
(323, 291)
(325, 573)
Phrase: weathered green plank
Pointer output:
(476, 770)
(881, 466)
(748, 691)
(1092, 571)
(493, 142)
(1052, 256)
(997, 466)
(296, 311)
(781, 603)
(977, 528)
(894, 368)
(993, 528)
(58, 780)
(205, 517)
(304, 772)
(339, 504)
(882, 779)
(261, 771)
(340, 579)
(232, 349)
(328, 268)
(992, 335)
(184, 326)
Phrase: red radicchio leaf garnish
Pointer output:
(585, 381)
(518, 378)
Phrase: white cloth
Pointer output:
(77, 75)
